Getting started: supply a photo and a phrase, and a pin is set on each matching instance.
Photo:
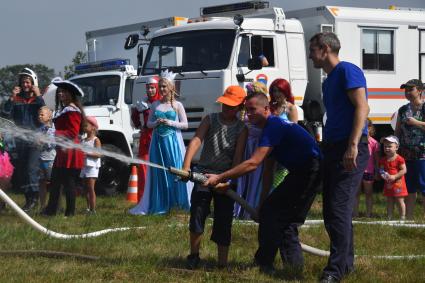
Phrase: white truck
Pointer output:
(108, 86)
(388, 44)
(210, 53)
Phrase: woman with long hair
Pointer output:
(167, 118)
(282, 101)
(143, 109)
(69, 119)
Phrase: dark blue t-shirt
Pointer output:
(339, 110)
(292, 145)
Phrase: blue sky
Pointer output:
(51, 32)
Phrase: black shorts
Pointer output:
(223, 214)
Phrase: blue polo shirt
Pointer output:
(292, 145)
(339, 110)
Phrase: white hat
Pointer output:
(30, 73)
(152, 80)
(169, 75)
(391, 138)
(69, 86)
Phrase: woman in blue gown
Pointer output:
(162, 190)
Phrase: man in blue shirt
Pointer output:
(286, 207)
(345, 149)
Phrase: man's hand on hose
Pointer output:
(213, 180)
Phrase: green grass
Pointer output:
(157, 253)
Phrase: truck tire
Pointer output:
(113, 175)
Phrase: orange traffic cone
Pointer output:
(132, 185)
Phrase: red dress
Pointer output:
(397, 188)
(67, 125)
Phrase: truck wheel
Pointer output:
(113, 175)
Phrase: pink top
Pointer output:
(373, 149)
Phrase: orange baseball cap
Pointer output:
(233, 96)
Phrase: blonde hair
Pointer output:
(171, 87)
(49, 111)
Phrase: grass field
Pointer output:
(157, 253)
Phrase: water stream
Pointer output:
(10, 131)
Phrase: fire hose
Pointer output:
(201, 178)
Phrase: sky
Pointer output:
(51, 32)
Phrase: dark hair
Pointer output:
(371, 127)
(76, 100)
(324, 39)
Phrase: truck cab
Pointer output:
(108, 86)
(210, 53)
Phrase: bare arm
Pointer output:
(245, 167)
(293, 113)
(97, 145)
(195, 142)
(361, 110)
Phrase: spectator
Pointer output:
(249, 186)
(47, 152)
(22, 107)
(167, 118)
(6, 170)
(392, 169)
(410, 128)
(69, 120)
(90, 171)
(345, 149)
(282, 100)
(369, 174)
(143, 109)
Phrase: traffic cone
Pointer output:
(132, 185)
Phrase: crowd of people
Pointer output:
(254, 146)
(41, 165)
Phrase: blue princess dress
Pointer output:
(162, 190)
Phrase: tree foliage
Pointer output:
(79, 58)
(9, 76)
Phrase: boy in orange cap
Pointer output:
(224, 137)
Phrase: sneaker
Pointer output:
(326, 278)
(192, 261)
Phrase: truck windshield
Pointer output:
(99, 90)
(190, 51)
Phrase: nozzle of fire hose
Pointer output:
(192, 176)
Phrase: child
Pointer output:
(392, 168)
(6, 170)
(90, 171)
(47, 152)
(249, 186)
(224, 137)
(167, 149)
(369, 173)
(144, 108)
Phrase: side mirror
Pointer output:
(140, 56)
(131, 41)
(255, 64)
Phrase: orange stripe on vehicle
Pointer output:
(380, 119)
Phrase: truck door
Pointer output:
(256, 46)
(422, 54)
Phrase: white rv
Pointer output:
(388, 44)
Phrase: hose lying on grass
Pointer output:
(51, 233)
(37, 226)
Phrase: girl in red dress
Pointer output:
(392, 169)
(69, 118)
(143, 108)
